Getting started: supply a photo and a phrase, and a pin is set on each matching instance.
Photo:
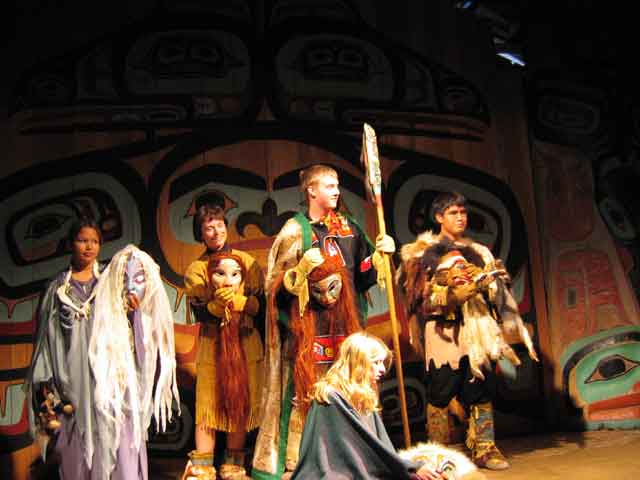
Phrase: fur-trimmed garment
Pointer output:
(478, 332)
(447, 461)
(210, 409)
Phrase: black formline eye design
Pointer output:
(611, 367)
(447, 467)
(45, 224)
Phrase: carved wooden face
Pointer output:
(601, 375)
(227, 273)
(327, 291)
(454, 270)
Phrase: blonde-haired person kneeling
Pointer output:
(344, 436)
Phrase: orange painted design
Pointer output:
(336, 224)
(17, 465)
(178, 254)
(587, 298)
(19, 355)
(628, 401)
(626, 407)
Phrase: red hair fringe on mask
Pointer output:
(232, 374)
(304, 328)
(233, 383)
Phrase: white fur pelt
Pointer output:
(480, 334)
(450, 463)
(123, 388)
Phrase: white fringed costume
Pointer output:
(124, 354)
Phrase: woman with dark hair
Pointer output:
(59, 381)
(93, 383)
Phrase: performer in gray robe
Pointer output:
(94, 368)
(60, 371)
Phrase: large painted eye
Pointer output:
(170, 51)
(45, 224)
(610, 367)
(206, 52)
(320, 57)
(352, 57)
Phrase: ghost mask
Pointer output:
(135, 283)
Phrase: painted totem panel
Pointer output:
(589, 232)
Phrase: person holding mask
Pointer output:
(462, 296)
(323, 231)
(225, 290)
(133, 363)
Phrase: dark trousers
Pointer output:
(444, 383)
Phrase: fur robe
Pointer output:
(485, 317)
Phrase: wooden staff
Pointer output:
(369, 157)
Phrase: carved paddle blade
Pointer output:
(371, 162)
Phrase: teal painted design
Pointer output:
(604, 368)
(608, 372)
